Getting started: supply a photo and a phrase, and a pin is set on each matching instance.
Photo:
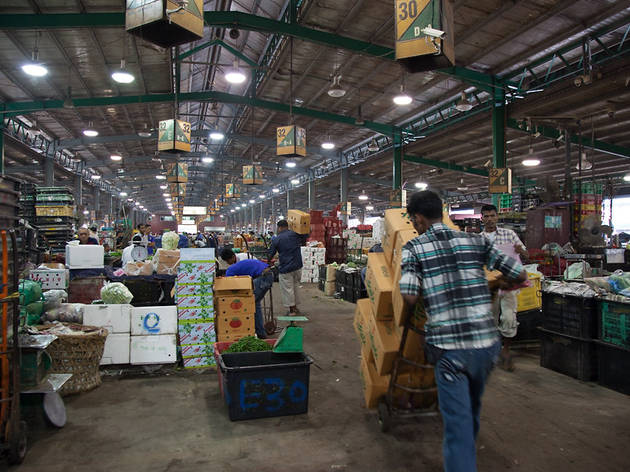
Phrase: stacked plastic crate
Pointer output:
(55, 217)
(195, 306)
(588, 202)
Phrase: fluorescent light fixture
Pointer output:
(90, 133)
(238, 207)
(290, 164)
(421, 185)
(160, 177)
(207, 160)
(363, 197)
(166, 194)
(231, 211)
(369, 208)
(194, 210)
(123, 194)
(252, 201)
(261, 196)
(402, 98)
(163, 187)
(34, 69)
(328, 145)
(531, 162)
(295, 181)
(275, 190)
(217, 136)
(116, 157)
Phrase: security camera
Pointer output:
(234, 33)
(434, 33)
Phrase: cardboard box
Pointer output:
(374, 386)
(362, 316)
(299, 221)
(235, 326)
(154, 320)
(160, 349)
(331, 273)
(400, 314)
(378, 282)
(51, 278)
(196, 273)
(414, 345)
(236, 285)
(196, 332)
(396, 220)
(402, 238)
(116, 318)
(166, 261)
(85, 256)
(384, 343)
(138, 268)
(200, 301)
(329, 288)
(195, 313)
(116, 350)
(193, 289)
(197, 350)
(199, 362)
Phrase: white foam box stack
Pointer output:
(195, 306)
(312, 258)
(153, 349)
(116, 319)
(50, 278)
(86, 256)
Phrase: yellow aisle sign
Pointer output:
(412, 16)
(500, 181)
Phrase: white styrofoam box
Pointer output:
(85, 256)
(160, 349)
(50, 278)
(154, 320)
(116, 349)
(113, 317)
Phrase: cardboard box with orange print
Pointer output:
(235, 307)
(379, 286)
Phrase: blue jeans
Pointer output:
(461, 376)
(262, 284)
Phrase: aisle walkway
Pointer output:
(534, 420)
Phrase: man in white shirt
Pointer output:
(504, 305)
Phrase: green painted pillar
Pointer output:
(1, 152)
(398, 158)
(498, 134)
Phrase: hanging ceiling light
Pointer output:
(363, 196)
(328, 144)
(90, 132)
(531, 160)
(422, 185)
(235, 76)
(145, 132)
(86, 212)
(166, 194)
(217, 136)
(261, 196)
(586, 164)
(123, 194)
(402, 98)
(160, 177)
(231, 211)
(373, 146)
(207, 160)
(275, 190)
(626, 178)
(116, 157)
(369, 208)
(96, 177)
(336, 90)
(34, 69)
(122, 75)
(290, 164)
(252, 201)
(462, 187)
(464, 104)
(295, 181)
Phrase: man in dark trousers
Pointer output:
(262, 277)
(446, 269)
(288, 245)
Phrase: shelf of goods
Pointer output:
(54, 211)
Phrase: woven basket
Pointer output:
(79, 355)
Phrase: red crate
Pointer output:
(219, 347)
(317, 216)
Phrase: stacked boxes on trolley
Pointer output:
(380, 320)
(55, 216)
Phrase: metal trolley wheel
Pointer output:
(384, 416)
(17, 445)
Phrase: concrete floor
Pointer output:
(533, 420)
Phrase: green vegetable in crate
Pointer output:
(115, 293)
(30, 291)
(249, 344)
(170, 240)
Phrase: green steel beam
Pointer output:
(498, 129)
(13, 108)
(553, 133)
(397, 162)
(446, 165)
(1, 152)
(63, 20)
(217, 42)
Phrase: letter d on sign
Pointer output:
(416, 31)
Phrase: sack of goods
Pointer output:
(380, 321)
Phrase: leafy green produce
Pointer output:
(249, 344)
(115, 293)
(170, 240)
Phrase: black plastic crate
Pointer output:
(264, 384)
(614, 324)
(569, 355)
(573, 316)
(614, 367)
(356, 280)
(528, 324)
(321, 284)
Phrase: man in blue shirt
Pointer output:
(288, 245)
(262, 277)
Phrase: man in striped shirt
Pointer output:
(446, 269)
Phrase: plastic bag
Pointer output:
(54, 298)
(115, 293)
(170, 240)
(139, 268)
(69, 312)
(578, 270)
(30, 292)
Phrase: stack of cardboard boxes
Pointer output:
(236, 308)
(312, 258)
(299, 221)
(195, 306)
(380, 319)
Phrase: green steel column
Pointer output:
(343, 191)
(498, 134)
(289, 200)
(49, 171)
(273, 215)
(398, 158)
(1, 152)
(311, 195)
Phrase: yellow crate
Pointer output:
(529, 298)
(58, 210)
